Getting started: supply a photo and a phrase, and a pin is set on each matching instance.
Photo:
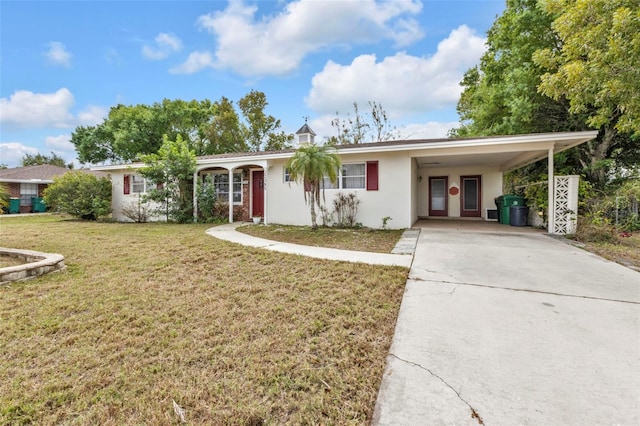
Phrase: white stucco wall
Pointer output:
(393, 198)
(119, 199)
(491, 187)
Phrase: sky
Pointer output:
(64, 64)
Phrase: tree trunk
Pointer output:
(312, 204)
(597, 151)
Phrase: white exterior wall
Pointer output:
(491, 187)
(393, 198)
(119, 199)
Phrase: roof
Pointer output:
(40, 173)
(521, 149)
(43, 173)
(305, 129)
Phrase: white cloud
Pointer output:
(92, 115)
(12, 152)
(165, 45)
(61, 142)
(430, 130)
(47, 110)
(197, 61)
(277, 44)
(28, 109)
(404, 84)
(58, 54)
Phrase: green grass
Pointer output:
(626, 251)
(150, 313)
(363, 239)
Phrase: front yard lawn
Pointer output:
(150, 313)
(363, 239)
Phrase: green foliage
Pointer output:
(173, 166)
(208, 206)
(38, 159)
(385, 221)
(309, 165)
(261, 130)
(374, 126)
(225, 132)
(4, 197)
(79, 194)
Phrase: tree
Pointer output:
(595, 67)
(79, 194)
(4, 197)
(261, 130)
(374, 126)
(225, 133)
(172, 168)
(38, 159)
(309, 166)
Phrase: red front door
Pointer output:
(257, 193)
(470, 196)
(438, 198)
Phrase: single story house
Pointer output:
(402, 179)
(29, 182)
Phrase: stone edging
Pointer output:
(39, 264)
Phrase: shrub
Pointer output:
(345, 210)
(592, 230)
(79, 194)
(137, 211)
(207, 203)
(4, 197)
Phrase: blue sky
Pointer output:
(64, 64)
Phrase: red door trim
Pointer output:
(444, 212)
(471, 213)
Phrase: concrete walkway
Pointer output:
(512, 328)
(228, 232)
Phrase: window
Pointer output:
(287, 176)
(220, 182)
(137, 185)
(134, 184)
(27, 191)
(350, 176)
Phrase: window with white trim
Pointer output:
(220, 182)
(138, 184)
(28, 191)
(287, 175)
(350, 176)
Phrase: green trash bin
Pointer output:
(504, 203)
(14, 205)
(38, 205)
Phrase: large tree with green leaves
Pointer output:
(172, 168)
(39, 159)
(309, 166)
(262, 131)
(595, 67)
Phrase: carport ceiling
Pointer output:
(503, 160)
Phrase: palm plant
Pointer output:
(310, 165)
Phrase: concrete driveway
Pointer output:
(512, 328)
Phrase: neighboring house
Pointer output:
(405, 180)
(30, 182)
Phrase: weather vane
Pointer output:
(306, 117)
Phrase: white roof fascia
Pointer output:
(26, 180)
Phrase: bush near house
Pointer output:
(80, 194)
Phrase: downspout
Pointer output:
(550, 208)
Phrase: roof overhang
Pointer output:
(40, 181)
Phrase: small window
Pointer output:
(287, 175)
(137, 185)
(28, 191)
(353, 176)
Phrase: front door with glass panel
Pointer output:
(470, 196)
(438, 200)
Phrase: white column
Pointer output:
(230, 195)
(195, 198)
(550, 208)
(264, 203)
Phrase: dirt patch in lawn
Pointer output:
(363, 239)
(146, 314)
(8, 261)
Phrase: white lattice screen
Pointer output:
(565, 204)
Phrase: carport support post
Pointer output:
(195, 197)
(550, 207)
(230, 195)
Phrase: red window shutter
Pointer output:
(307, 186)
(126, 185)
(159, 186)
(372, 175)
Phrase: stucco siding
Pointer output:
(120, 199)
(491, 187)
(393, 198)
